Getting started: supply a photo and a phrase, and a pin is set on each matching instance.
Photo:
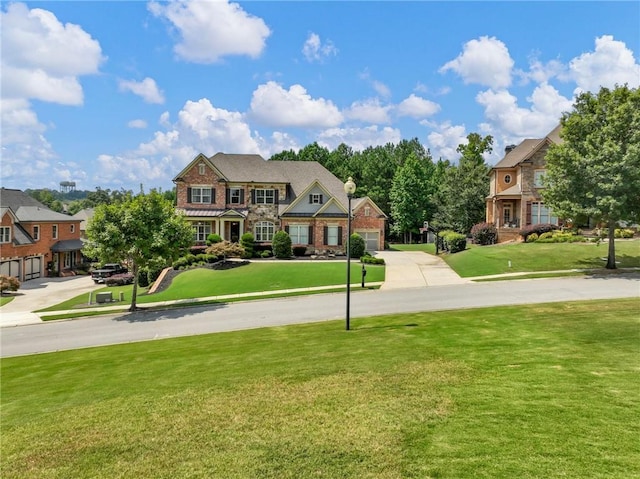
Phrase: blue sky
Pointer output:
(122, 93)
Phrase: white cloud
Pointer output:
(369, 110)
(359, 138)
(274, 106)
(138, 123)
(42, 58)
(211, 30)
(485, 61)
(379, 87)
(146, 89)
(611, 62)
(314, 51)
(417, 107)
(444, 139)
(502, 111)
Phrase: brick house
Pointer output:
(34, 240)
(516, 184)
(231, 194)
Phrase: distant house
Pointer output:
(84, 216)
(516, 184)
(34, 240)
(231, 194)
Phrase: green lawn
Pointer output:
(5, 299)
(251, 278)
(540, 391)
(488, 260)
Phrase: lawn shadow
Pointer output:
(145, 315)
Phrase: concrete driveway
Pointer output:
(41, 293)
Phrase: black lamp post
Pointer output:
(349, 189)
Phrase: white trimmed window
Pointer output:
(367, 211)
(36, 232)
(299, 234)
(235, 196)
(538, 178)
(333, 235)
(73, 228)
(5, 234)
(316, 199)
(507, 179)
(54, 231)
(201, 231)
(265, 196)
(540, 214)
(200, 194)
(263, 231)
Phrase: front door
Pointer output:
(507, 213)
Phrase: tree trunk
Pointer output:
(134, 292)
(611, 258)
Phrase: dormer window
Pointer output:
(5, 234)
(316, 199)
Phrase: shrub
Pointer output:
(266, 253)
(119, 279)
(623, 233)
(248, 243)
(453, 242)
(357, 245)
(213, 239)
(532, 238)
(538, 229)
(368, 259)
(281, 245)
(226, 249)
(484, 233)
(197, 249)
(9, 283)
(299, 250)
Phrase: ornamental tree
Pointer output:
(595, 171)
(143, 231)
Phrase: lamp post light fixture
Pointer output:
(349, 189)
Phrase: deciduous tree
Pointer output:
(595, 171)
(144, 231)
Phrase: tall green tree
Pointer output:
(410, 196)
(144, 231)
(464, 187)
(595, 171)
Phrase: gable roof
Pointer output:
(527, 148)
(27, 208)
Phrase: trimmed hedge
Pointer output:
(484, 234)
(281, 244)
(537, 229)
(453, 242)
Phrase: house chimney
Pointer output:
(508, 148)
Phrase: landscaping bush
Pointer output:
(299, 250)
(484, 234)
(197, 249)
(213, 239)
(538, 229)
(623, 233)
(266, 253)
(532, 238)
(453, 242)
(9, 283)
(248, 243)
(119, 279)
(368, 259)
(281, 245)
(357, 245)
(226, 249)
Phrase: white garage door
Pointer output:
(10, 268)
(370, 239)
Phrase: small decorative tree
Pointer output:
(226, 249)
(8, 283)
(357, 245)
(213, 239)
(248, 243)
(281, 244)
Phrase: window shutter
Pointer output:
(213, 195)
(286, 229)
(242, 196)
(310, 234)
(339, 235)
(310, 198)
(227, 196)
(253, 197)
(276, 196)
(188, 195)
(321, 199)
(528, 212)
(325, 238)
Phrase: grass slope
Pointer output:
(531, 257)
(546, 390)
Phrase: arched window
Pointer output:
(263, 231)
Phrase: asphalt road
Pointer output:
(146, 326)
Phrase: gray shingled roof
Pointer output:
(27, 208)
(529, 146)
